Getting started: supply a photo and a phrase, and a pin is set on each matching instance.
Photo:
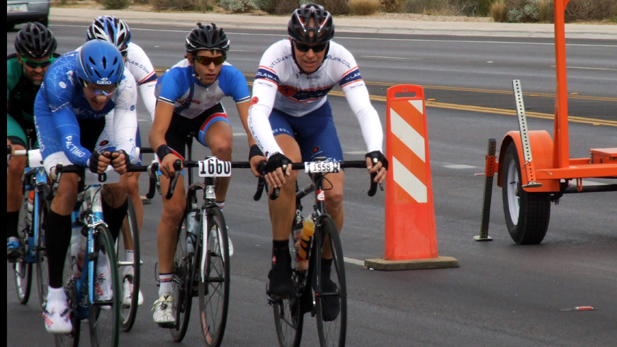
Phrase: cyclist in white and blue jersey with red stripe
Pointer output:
(189, 99)
(71, 110)
(291, 120)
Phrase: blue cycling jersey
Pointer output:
(60, 103)
(190, 98)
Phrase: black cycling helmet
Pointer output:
(299, 27)
(207, 37)
(35, 41)
(111, 29)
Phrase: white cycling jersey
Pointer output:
(280, 84)
(138, 63)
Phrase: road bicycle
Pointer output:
(310, 294)
(103, 314)
(202, 259)
(30, 228)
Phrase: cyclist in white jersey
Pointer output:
(189, 101)
(116, 31)
(291, 120)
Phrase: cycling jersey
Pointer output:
(61, 104)
(280, 84)
(179, 87)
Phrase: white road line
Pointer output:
(382, 57)
(239, 134)
(459, 166)
(353, 261)
(588, 68)
(356, 152)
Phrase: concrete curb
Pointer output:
(343, 24)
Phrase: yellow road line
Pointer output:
(549, 116)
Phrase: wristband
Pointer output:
(255, 151)
(162, 151)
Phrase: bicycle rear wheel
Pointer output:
(22, 268)
(42, 274)
(104, 315)
(129, 271)
(183, 283)
(214, 289)
(332, 293)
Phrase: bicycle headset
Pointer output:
(100, 62)
(207, 37)
(110, 29)
(300, 26)
(35, 41)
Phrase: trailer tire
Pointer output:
(527, 214)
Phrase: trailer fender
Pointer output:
(542, 154)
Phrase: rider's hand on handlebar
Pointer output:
(275, 176)
(255, 162)
(167, 165)
(119, 160)
(98, 161)
(376, 162)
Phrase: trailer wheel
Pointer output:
(527, 214)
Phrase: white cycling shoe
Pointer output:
(102, 283)
(127, 290)
(57, 316)
(164, 311)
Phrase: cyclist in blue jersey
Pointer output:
(189, 98)
(71, 110)
(291, 120)
(35, 48)
(114, 30)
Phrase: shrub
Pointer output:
(238, 6)
(499, 11)
(528, 13)
(590, 9)
(363, 7)
(267, 5)
(545, 11)
(335, 7)
(180, 5)
(284, 7)
(116, 4)
(391, 5)
(443, 7)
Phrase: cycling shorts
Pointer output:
(314, 132)
(180, 127)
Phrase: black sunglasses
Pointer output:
(207, 60)
(303, 47)
(34, 64)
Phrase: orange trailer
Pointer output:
(534, 169)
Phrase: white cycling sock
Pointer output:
(220, 204)
(55, 294)
(166, 284)
(129, 256)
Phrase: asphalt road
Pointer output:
(502, 294)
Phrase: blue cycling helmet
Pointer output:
(112, 29)
(100, 62)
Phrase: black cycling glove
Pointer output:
(378, 156)
(277, 160)
(93, 163)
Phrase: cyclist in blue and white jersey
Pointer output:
(116, 31)
(189, 98)
(70, 112)
(291, 120)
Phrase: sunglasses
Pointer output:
(91, 87)
(207, 60)
(303, 47)
(35, 64)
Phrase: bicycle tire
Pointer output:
(183, 296)
(71, 339)
(214, 289)
(22, 269)
(105, 323)
(332, 328)
(129, 313)
(42, 273)
(288, 315)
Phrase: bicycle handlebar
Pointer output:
(360, 164)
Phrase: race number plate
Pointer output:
(322, 167)
(108, 177)
(17, 8)
(212, 167)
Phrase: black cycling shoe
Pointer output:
(280, 275)
(331, 306)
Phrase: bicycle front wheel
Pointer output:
(183, 284)
(330, 291)
(104, 310)
(22, 268)
(129, 271)
(214, 289)
(40, 250)
(288, 315)
(71, 339)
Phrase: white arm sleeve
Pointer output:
(125, 118)
(360, 103)
(146, 91)
(264, 93)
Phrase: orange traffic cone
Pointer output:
(411, 239)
